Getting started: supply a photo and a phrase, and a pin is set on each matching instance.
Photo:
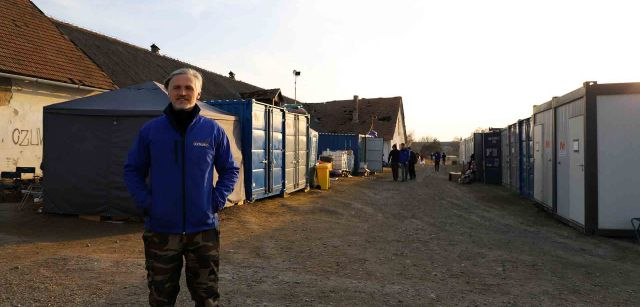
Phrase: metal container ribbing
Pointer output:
(262, 128)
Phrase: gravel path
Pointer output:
(366, 242)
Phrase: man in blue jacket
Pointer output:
(177, 153)
(404, 161)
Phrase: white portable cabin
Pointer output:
(596, 150)
(543, 155)
(465, 151)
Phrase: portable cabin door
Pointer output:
(538, 163)
(276, 150)
(562, 160)
(576, 169)
(259, 151)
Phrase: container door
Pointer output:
(548, 163)
(522, 154)
(576, 172)
(492, 157)
(538, 164)
(259, 152)
(514, 157)
(562, 160)
(504, 139)
(290, 152)
(277, 150)
(374, 152)
(302, 151)
(529, 162)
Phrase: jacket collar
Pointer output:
(181, 120)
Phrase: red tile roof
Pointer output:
(31, 45)
(378, 114)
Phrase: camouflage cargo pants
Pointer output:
(164, 254)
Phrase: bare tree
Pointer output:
(411, 137)
(455, 144)
(430, 147)
(426, 139)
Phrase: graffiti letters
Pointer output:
(26, 137)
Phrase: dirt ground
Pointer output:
(366, 242)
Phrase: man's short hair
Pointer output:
(185, 71)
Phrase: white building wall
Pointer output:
(21, 133)
(398, 137)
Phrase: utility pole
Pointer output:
(296, 74)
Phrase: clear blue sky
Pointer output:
(458, 65)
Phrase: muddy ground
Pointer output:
(366, 242)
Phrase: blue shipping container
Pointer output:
(332, 141)
(526, 158)
(491, 154)
(262, 128)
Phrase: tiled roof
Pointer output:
(272, 96)
(337, 116)
(262, 94)
(128, 65)
(32, 46)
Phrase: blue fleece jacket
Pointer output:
(181, 197)
(404, 155)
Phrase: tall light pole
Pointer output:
(296, 74)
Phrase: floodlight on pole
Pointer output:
(296, 74)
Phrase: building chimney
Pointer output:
(356, 102)
(155, 49)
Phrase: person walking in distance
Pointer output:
(393, 159)
(436, 161)
(413, 159)
(404, 161)
(444, 158)
(177, 153)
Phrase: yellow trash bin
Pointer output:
(323, 175)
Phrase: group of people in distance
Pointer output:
(403, 162)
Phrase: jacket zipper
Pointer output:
(184, 186)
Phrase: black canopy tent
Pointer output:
(86, 145)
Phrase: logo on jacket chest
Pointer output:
(200, 144)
